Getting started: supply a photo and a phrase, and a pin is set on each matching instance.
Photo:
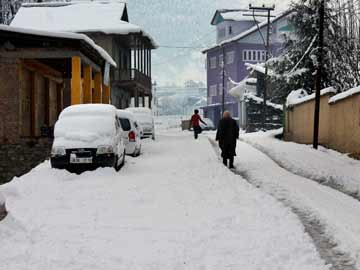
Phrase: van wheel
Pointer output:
(122, 161)
(116, 165)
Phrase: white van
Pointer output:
(88, 136)
(146, 120)
(131, 132)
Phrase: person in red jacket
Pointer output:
(195, 123)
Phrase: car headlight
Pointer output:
(57, 151)
(104, 149)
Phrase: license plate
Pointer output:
(81, 160)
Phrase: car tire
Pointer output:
(116, 165)
(122, 161)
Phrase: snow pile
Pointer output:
(259, 100)
(87, 125)
(79, 16)
(296, 101)
(65, 35)
(157, 213)
(326, 166)
(344, 95)
(295, 95)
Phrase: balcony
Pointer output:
(131, 78)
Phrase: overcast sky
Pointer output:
(182, 23)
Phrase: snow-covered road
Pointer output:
(175, 207)
(337, 212)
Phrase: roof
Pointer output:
(249, 31)
(108, 17)
(230, 15)
(63, 35)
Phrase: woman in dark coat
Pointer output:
(227, 135)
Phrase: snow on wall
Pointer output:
(259, 100)
(344, 95)
(296, 101)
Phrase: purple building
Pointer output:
(238, 42)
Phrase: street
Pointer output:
(175, 207)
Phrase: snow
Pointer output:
(325, 166)
(345, 94)
(235, 16)
(260, 100)
(125, 114)
(245, 86)
(294, 96)
(338, 213)
(2, 199)
(174, 207)
(85, 126)
(66, 35)
(293, 101)
(79, 16)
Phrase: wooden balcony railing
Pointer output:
(126, 75)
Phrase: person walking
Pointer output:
(195, 123)
(227, 135)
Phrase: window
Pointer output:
(212, 62)
(213, 90)
(254, 55)
(125, 124)
(230, 57)
(221, 60)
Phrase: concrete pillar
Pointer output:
(143, 100)
(76, 85)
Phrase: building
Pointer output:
(107, 23)
(238, 42)
(41, 73)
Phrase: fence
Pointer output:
(339, 121)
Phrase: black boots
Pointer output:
(231, 163)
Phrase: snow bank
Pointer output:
(259, 100)
(326, 166)
(337, 213)
(66, 35)
(296, 101)
(344, 95)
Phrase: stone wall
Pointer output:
(18, 159)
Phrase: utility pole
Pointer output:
(223, 80)
(319, 74)
(268, 10)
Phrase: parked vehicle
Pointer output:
(88, 136)
(131, 132)
(146, 120)
(209, 124)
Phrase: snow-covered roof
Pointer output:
(293, 101)
(344, 95)
(231, 15)
(65, 35)
(142, 110)
(260, 100)
(249, 31)
(245, 86)
(77, 16)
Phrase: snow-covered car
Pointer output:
(145, 118)
(88, 136)
(131, 132)
(209, 124)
